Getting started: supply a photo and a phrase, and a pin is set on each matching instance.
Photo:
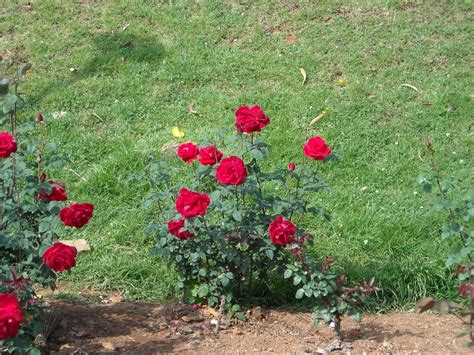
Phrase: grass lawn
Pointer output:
(139, 67)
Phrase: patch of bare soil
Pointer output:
(121, 327)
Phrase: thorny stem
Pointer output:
(296, 196)
(221, 313)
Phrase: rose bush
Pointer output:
(233, 225)
(31, 211)
(458, 229)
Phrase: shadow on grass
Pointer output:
(111, 50)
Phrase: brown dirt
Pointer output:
(120, 327)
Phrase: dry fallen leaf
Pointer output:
(290, 39)
(425, 304)
(170, 147)
(80, 244)
(303, 72)
(191, 108)
(316, 119)
(108, 345)
(409, 86)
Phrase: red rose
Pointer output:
(60, 257)
(10, 316)
(7, 145)
(291, 166)
(231, 171)
(316, 148)
(174, 227)
(281, 232)
(250, 120)
(188, 152)
(39, 118)
(77, 214)
(58, 192)
(190, 204)
(209, 155)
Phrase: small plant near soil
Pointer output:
(459, 208)
(33, 209)
(227, 224)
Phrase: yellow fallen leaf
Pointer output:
(303, 73)
(318, 117)
(176, 132)
(410, 86)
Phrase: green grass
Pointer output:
(222, 54)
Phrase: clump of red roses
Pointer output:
(232, 171)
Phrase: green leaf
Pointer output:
(299, 294)
(256, 154)
(296, 280)
(34, 351)
(9, 102)
(237, 216)
(22, 69)
(224, 281)
(269, 253)
(203, 290)
(287, 273)
(215, 195)
(357, 317)
(427, 187)
(4, 86)
(462, 334)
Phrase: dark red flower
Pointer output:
(10, 316)
(190, 204)
(231, 171)
(188, 152)
(281, 232)
(316, 148)
(39, 118)
(250, 120)
(77, 214)
(209, 155)
(291, 166)
(43, 177)
(7, 145)
(60, 257)
(58, 192)
(174, 227)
